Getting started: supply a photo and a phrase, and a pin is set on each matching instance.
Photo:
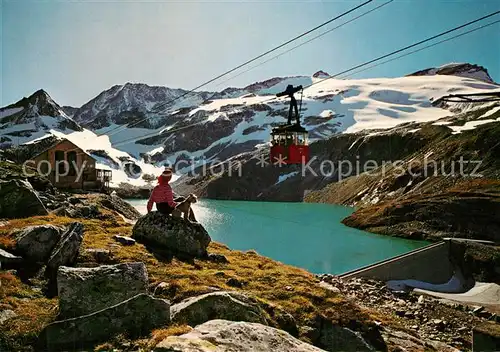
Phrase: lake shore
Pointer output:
(288, 298)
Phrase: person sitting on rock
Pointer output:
(163, 196)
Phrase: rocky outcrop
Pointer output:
(18, 199)
(407, 342)
(433, 217)
(35, 243)
(225, 336)
(176, 235)
(433, 322)
(127, 191)
(458, 69)
(136, 316)
(66, 250)
(91, 211)
(333, 338)
(218, 305)
(83, 291)
(119, 205)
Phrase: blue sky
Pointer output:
(76, 49)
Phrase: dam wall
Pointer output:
(432, 264)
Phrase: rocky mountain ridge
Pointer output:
(207, 128)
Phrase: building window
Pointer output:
(59, 156)
(71, 158)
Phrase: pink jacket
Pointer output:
(161, 194)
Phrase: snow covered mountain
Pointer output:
(33, 117)
(238, 120)
(206, 127)
(125, 104)
(34, 120)
(458, 69)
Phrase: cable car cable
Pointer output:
(252, 60)
(423, 48)
(353, 68)
(406, 47)
(306, 42)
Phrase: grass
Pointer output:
(274, 284)
(33, 311)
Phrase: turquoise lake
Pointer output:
(306, 235)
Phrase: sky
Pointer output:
(76, 49)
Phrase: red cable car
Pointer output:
(289, 143)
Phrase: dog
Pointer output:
(185, 208)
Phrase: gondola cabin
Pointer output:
(289, 145)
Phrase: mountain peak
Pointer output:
(40, 92)
(461, 69)
(321, 74)
(38, 103)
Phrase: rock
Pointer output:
(162, 288)
(176, 235)
(329, 287)
(407, 342)
(336, 338)
(74, 200)
(35, 243)
(126, 241)
(477, 310)
(80, 211)
(18, 199)
(8, 258)
(400, 313)
(217, 258)
(6, 315)
(439, 324)
(233, 282)
(87, 211)
(409, 315)
(421, 299)
(229, 336)
(286, 322)
(120, 206)
(66, 250)
(486, 337)
(83, 291)
(136, 316)
(100, 255)
(218, 305)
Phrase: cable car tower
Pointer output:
(289, 141)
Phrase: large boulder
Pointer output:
(218, 305)
(136, 316)
(35, 243)
(83, 291)
(18, 199)
(66, 250)
(336, 338)
(176, 235)
(223, 335)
